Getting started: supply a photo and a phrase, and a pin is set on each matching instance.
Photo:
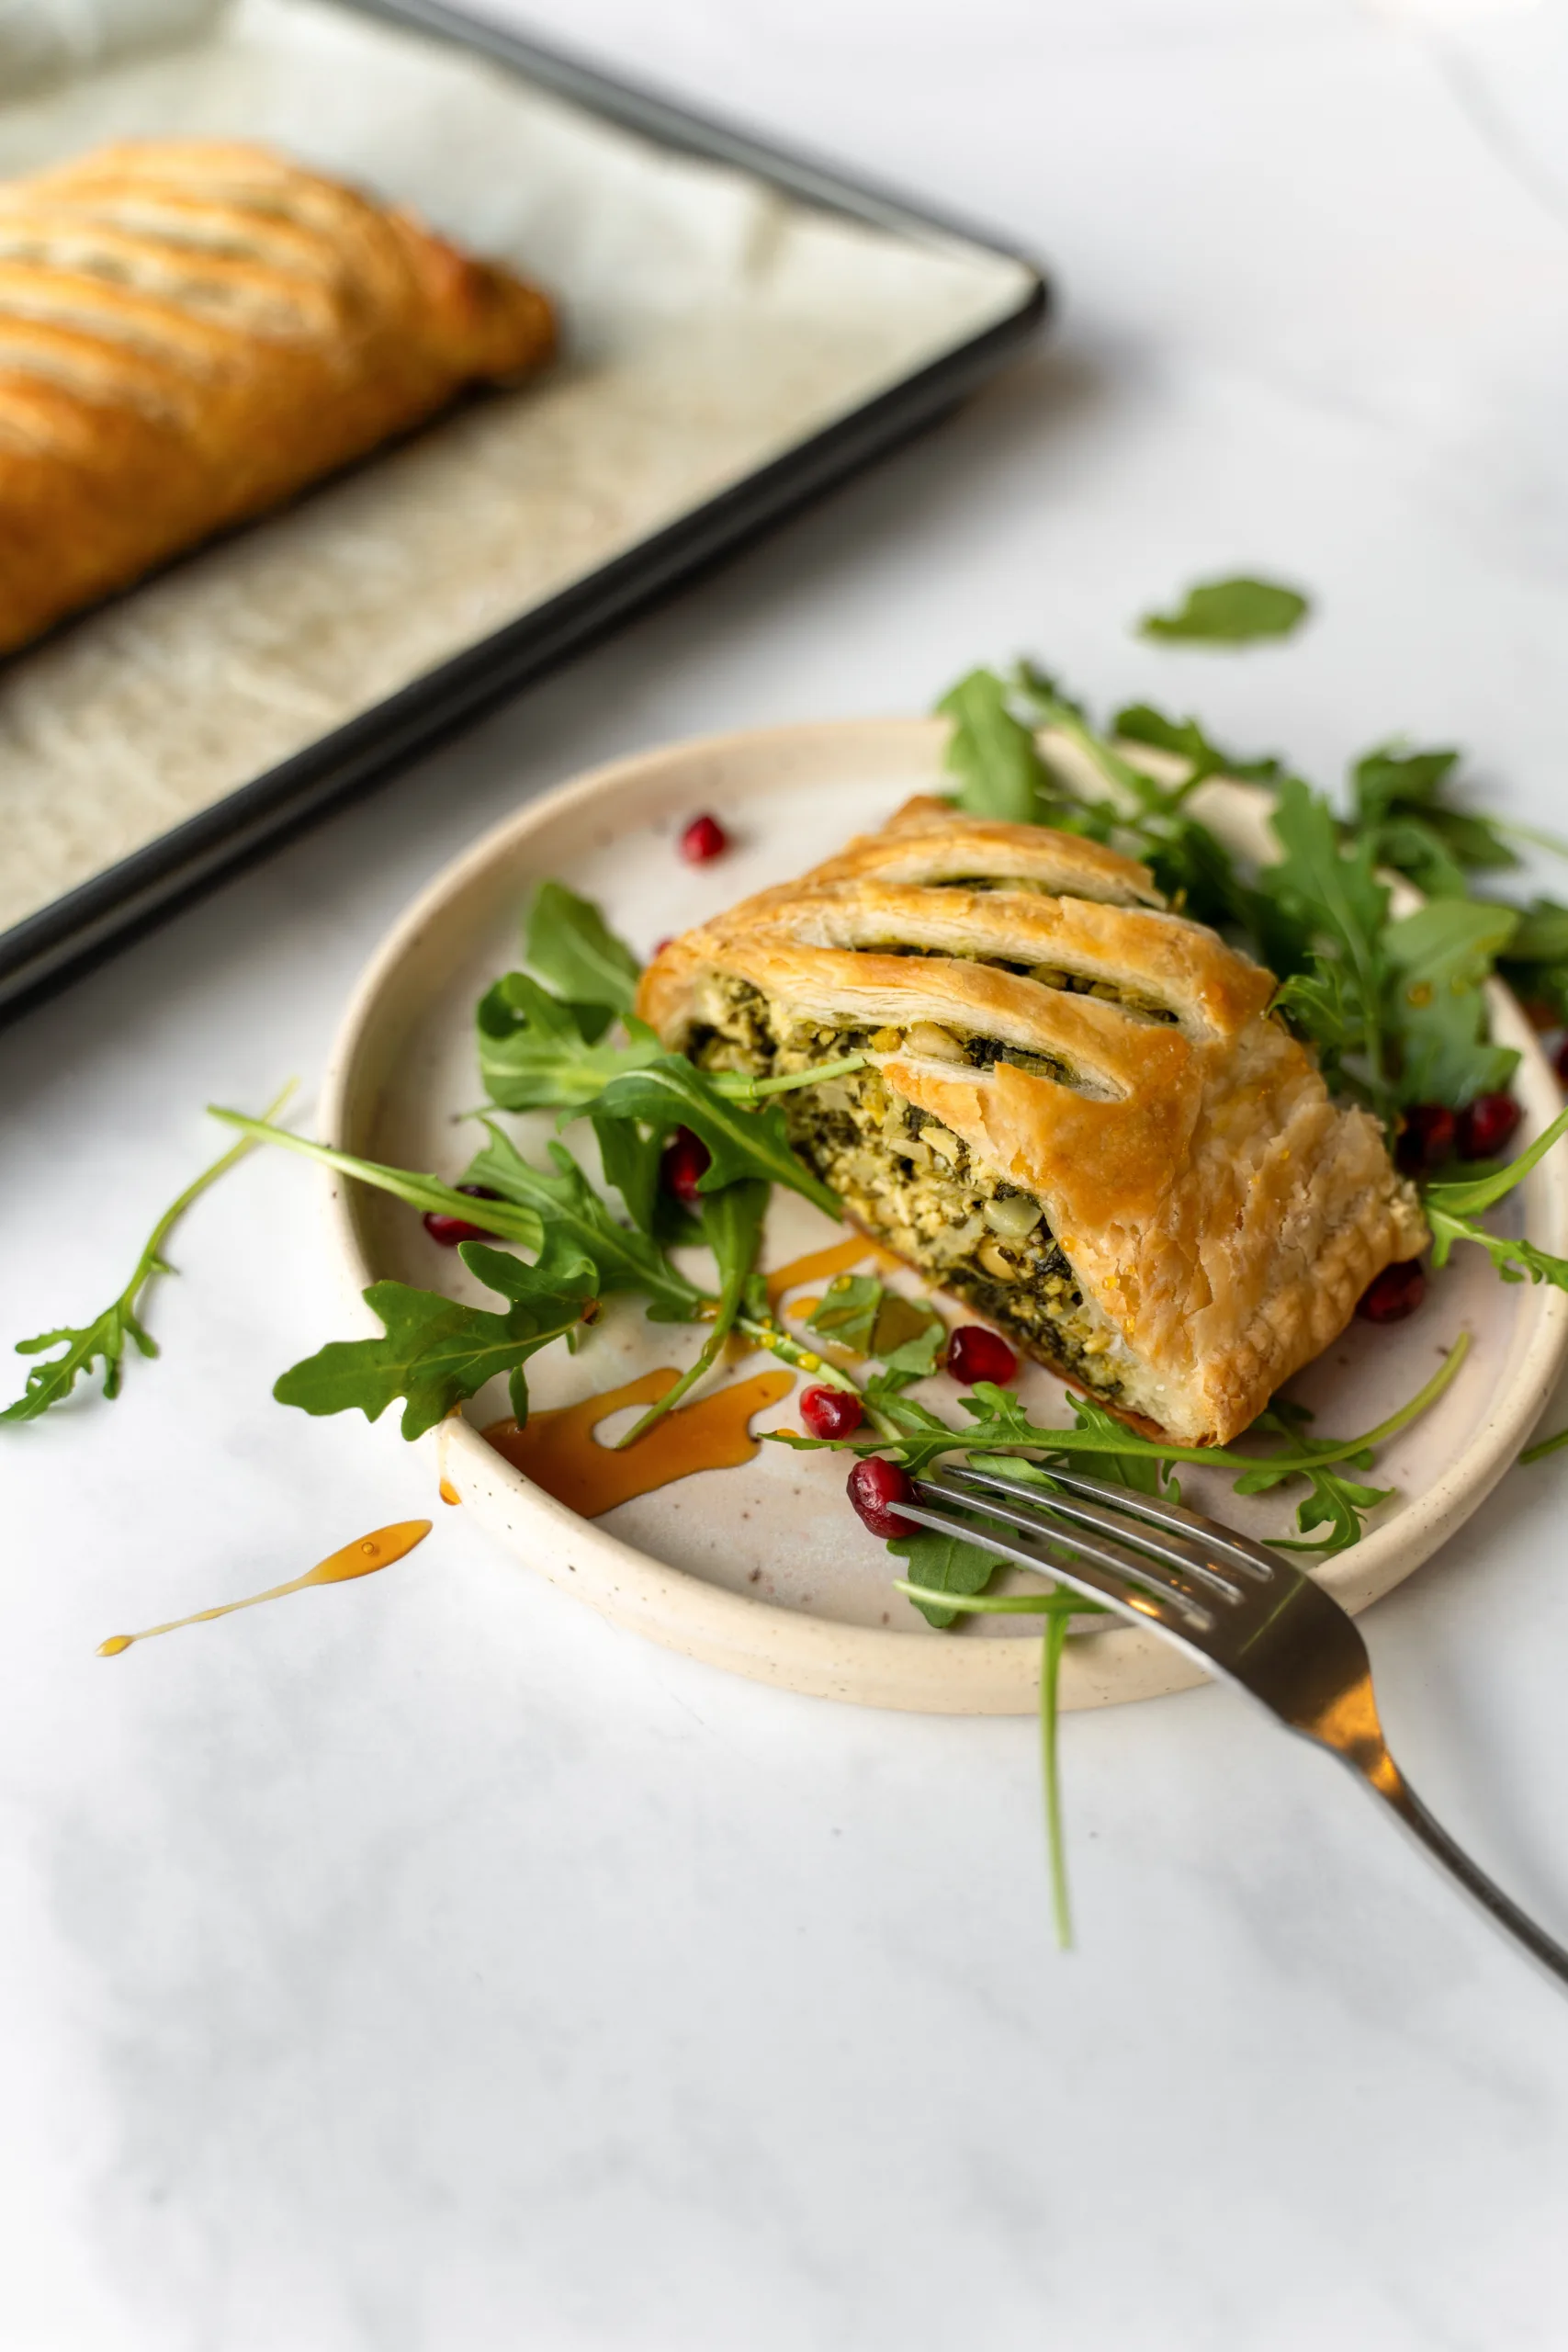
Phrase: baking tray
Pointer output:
(97, 725)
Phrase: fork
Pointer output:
(1245, 1615)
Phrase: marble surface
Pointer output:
(421, 1963)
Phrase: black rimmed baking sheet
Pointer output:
(780, 326)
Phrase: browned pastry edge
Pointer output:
(1220, 1213)
(191, 331)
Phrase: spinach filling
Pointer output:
(906, 1178)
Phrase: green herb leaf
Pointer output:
(537, 1054)
(576, 954)
(1485, 1191)
(1400, 799)
(422, 1192)
(732, 1227)
(1333, 901)
(1229, 612)
(1535, 962)
(915, 1358)
(1516, 1261)
(862, 1313)
(992, 754)
(944, 1564)
(1333, 1501)
(575, 1224)
(435, 1353)
(1439, 957)
(668, 1092)
(848, 1314)
(103, 1342)
(1146, 1474)
(1141, 723)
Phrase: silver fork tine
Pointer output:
(1239, 1549)
(1183, 1553)
(1136, 1587)
(1284, 1640)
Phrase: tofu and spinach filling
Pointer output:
(910, 1183)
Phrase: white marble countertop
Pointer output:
(431, 1966)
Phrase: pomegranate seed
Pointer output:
(1427, 1138)
(974, 1354)
(450, 1230)
(1486, 1125)
(1397, 1292)
(703, 838)
(660, 945)
(873, 1486)
(686, 1159)
(832, 1412)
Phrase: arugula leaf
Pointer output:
(103, 1342)
(848, 1314)
(574, 951)
(944, 1564)
(1464, 1199)
(915, 1358)
(576, 1224)
(1535, 961)
(862, 1314)
(1333, 899)
(1145, 1474)
(1452, 1210)
(1141, 723)
(1440, 955)
(1333, 1500)
(1229, 612)
(732, 1227)
(435, 1352)
(630, 1156)
(1055, 707)
(668, 1092)
(1516, 1261)
(1400, 798)
(1190, 863)
(518, 1223)
(537, 1054)
(992, 754)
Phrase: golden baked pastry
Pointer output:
(189, 332)
(1078, 1111)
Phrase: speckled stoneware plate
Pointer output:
(763, 1568)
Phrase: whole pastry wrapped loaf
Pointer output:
(190, 332)
(1077, 1111)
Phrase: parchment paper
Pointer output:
(711, 323)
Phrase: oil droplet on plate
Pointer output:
(448, 1492)
(358, 1559)
(560, 1453)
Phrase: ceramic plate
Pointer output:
(763, 1568)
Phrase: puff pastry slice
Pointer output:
(190, 332)
(1078, 1112)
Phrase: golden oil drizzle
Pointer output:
(559, 1452)
(360, 1559)
(820, 1265)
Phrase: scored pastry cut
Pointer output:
(1076, 1110)
(190, 332)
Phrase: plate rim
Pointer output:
(790, 1648)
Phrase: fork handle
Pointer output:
(1384, 1777)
